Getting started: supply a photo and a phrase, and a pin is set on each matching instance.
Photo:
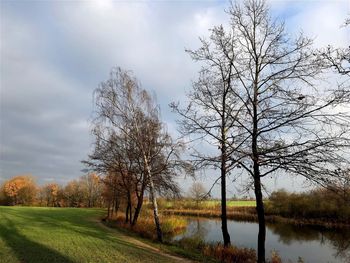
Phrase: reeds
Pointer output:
(145, 226)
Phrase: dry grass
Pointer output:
(249, 214)
(230, 254)
(145, 226)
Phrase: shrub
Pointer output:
(315, 204)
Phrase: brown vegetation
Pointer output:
(22, 190)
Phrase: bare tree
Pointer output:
(132, 142)
(281, 117)
(197, 192)
(210, 115)
(92, 184)
(290, 121)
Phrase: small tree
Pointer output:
(197, 192)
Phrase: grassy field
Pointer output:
(29, 234)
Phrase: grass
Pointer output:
(29, 234)
(145, 227)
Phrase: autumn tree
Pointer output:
(73, 194)
(93, 188)
(132, 142)
(49, 194)
(20, 190)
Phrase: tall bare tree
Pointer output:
(282, 116)
(292, 123)
(210, 115)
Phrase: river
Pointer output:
(311, 244)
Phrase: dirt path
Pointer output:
(145, 245)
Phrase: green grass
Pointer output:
(29, 234)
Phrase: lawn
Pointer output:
(29, 234)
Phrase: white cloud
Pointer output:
(54, 54)
(322, 21)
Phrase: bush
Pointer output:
(316, 204)
(145, 226)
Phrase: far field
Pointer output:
(38, 234)
(232, 203)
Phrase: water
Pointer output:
(313, 245)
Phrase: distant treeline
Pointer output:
(87, 191)
(322, 203)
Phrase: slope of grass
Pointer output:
(29, 234)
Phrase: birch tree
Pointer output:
(133, 142)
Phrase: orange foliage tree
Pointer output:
(20, 190)
(49, 194)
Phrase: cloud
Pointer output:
(53, 55)
(322, 21)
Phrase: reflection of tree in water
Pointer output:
(338, 239)
(198, 229)
(288, 233)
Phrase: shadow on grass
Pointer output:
(27, 250)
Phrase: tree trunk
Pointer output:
(256, 171)
(127, 213)
(154, 202)
(109, 209)
(128, 209)
(225, 234)
(138, 208)
(261, 219)
(116, 205)
(112, 207)
(130, 214)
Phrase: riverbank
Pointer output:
(43, 234)
(193, 248)
(196, 249)
(249, 214)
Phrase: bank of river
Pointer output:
(311, 244)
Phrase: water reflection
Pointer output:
(310, 243)
(198, 230)
(290, 233)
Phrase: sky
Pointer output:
(53, 54)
